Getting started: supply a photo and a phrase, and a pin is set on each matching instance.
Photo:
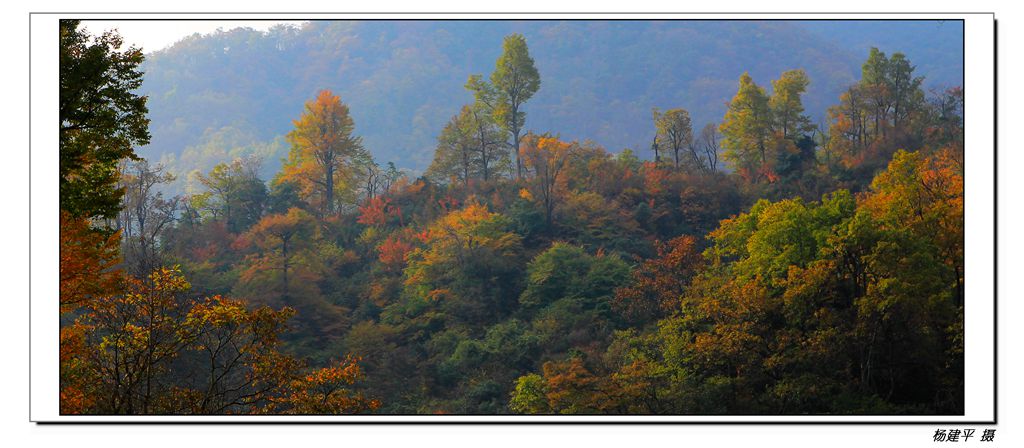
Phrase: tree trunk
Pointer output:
(515, 140)
(465, 167)
(284, 267)
(484, 162)
(329, 182)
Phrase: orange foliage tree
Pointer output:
(377, 211)
(329, 391)
(325, 157)
(392, 251)
(88, 262)
(283, 240)
(659, 283)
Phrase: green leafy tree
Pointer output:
(514, 81)
(793, 289)
(233, 193)
(470, 147)
(453, 156)
(874, 82)
(530, 395)
(879, 114)
(554, 274)
(785, 104)
(746, 128)
(101, 118)
(905, 88)
(490, 151)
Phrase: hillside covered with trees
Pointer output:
(748, 260)
(216, 97)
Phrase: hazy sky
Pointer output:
(154, 35)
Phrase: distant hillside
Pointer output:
(232, 93)
(934, 46)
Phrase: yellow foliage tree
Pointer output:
(547, 157)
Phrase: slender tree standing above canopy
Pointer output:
(786, 107)
(873, 82)
(674, 131)
(325, 156)
(101, 119)
(654, 147)
(745, 127)
(892, 90)
(907, 95)
(791, 144)
(514, 81)
(490, 150)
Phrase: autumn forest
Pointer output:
(764, 263)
